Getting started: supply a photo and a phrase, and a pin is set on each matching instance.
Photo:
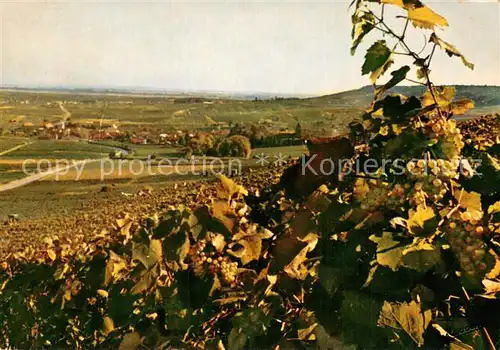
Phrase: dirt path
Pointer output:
(15, 148)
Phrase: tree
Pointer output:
(298, 131)
(235, 146)
(202, 143)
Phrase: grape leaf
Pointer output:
(389, 251)
(470, 201)
(444, 96)
(491, 286)
(377, 58)
(131, 341)
(108, 325)
(114, 266)
(421, 256)
(176, 247)
(397, 77)
(145, 281)
(419, 218)
(229, 188)
(420, 15)
(494, 208)
(406, 317)
(449, 49)
(424, 17)
(148, 256)
(362, 27)
(307, 334)
(237, 339)
(296, 269)
(251, 247)
(461, 106)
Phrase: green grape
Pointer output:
(469, 249)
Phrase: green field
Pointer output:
(163, 113)
(7, 143)
(48, 149)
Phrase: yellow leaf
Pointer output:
(444, 96)
(494, 208)
(125, 229)
(470, 201)
(384, 130)
(420, 15)
(409, 317)
(113, 267)
(461, 106)
(491, 286)
(495, 271)
(109, 325)
(307, 334)
(52, 255)
(296, 269)
(230, 187)
(121, 222)
(102, 293)
(130, 341)
(449, 49)
(418, 218)
(424, 17)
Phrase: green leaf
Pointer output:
(406, 317)
(449, 49)
(326, 341)
(377, 60)
(389, 252)
(167, 226)
(397, 77)
(145, 281)
(330, 278)
(421, 256)
(237, 339)
(148, 256)
(176, 247)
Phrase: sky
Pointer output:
(278, 47)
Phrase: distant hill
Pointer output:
(483, 96)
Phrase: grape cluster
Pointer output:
(466, 240)
(212, 263)
(372, 194)
(446, 133)
(397, 196)
(440, 168)
(430, 187)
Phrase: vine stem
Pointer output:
(401, 40)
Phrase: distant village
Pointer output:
(97, 132)
(268, 132)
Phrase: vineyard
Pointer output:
(400, 254)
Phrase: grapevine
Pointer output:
(302, 262)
